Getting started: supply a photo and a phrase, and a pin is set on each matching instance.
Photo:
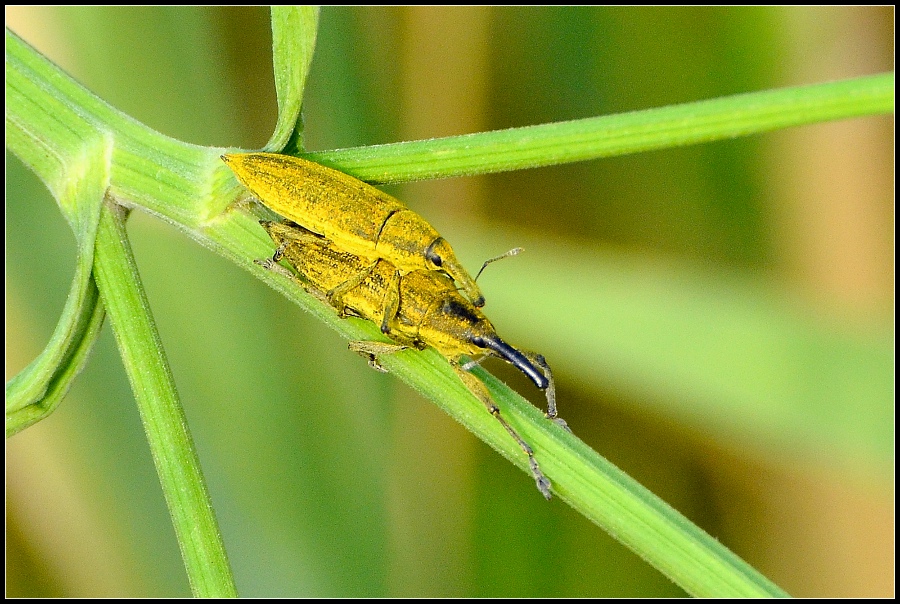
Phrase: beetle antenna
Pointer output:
(511, 252)
(474, 363)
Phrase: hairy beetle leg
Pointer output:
(271, 264)
(480, 391)
(371, 350)
(335, 295)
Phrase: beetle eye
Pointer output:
(432, 255)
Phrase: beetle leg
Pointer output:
(391, 302)
(291, 232)
(540, 361)
(371, 350)
(551, 414)
(272, 265)
(480, 391)
(336, 294)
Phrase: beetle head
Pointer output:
(441, 257)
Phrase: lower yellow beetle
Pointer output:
(431, 312)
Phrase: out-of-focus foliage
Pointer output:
(718, 316)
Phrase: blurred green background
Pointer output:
(719, 317)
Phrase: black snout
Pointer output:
(516, 358)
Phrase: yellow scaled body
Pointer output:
(355, 216)
(430, 312)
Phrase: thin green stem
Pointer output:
(161, 413)
(619, 134)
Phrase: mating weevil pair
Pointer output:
(365, 254)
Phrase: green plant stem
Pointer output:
(619, 134)
(161, 413)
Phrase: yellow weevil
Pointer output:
(431, 312)
(355, 216)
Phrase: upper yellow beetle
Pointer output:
(355, 216)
